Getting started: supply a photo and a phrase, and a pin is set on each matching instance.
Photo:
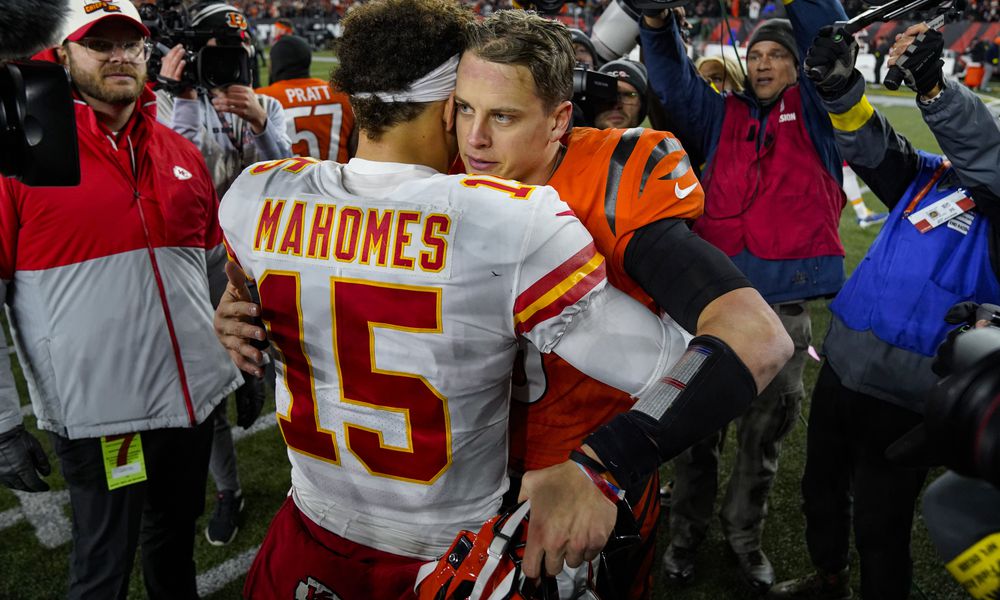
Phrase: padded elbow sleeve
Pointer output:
(679, 270)
(708, 387)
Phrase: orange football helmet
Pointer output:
(486, 565)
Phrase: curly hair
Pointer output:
(522, 38)
(388, 44)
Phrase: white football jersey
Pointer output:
(394, 295)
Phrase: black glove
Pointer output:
(965, 315)
(921, 64)
(830, 61)
(249, 400)
(21, 460)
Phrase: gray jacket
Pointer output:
(214, 134)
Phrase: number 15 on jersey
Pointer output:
(357, 308)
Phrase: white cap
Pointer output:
(84, 14)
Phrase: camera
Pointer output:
(225, 63)
(593, 92)
(38, 143)
(961, 427)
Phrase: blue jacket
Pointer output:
(888, 318)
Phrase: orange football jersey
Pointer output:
(616, 181)
(320, 120)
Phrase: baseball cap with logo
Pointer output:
(84, 14)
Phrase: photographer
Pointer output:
(890, 317)
(109, 288)
(629, 110)
(233, 128)
(772, 204)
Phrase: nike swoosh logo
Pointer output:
(683, 192)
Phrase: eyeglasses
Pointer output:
(101, 49)
(628, 97)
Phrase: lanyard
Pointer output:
(923, 191)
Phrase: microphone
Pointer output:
(27, 26)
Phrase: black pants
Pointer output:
(846, 472)
(159, 513)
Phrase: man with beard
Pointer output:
(112, 320)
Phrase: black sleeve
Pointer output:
(681, 272)
(890, 178)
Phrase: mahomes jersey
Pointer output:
(616, 181)
(394, 296)
(320, 120)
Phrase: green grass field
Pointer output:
(29, 569)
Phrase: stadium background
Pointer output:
(34, 528)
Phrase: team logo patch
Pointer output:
(102, 5)
(181, 173)
(311, 589)
(786, 117)
(236, 20)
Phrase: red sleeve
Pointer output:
(9, 227)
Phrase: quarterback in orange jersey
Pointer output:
(320, 120)
(633, 190)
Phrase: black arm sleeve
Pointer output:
(895, 172)
(681, 272)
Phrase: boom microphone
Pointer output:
(27, 26)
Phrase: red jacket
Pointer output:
(108, 284)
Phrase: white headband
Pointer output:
(436, 85)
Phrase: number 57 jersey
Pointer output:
(394, 296)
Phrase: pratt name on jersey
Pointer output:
(313, 93)
(386, 237)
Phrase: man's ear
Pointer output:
(449, 113)
(61, 55)
(562, 120)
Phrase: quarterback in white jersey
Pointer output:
(395, 295)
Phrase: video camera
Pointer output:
(593, 92)
(225, 63)
(38, 143)
(961, 428)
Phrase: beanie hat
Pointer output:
(630, 72)
(291, 57)
(778, 31)
(633, 73)
(218, 18)
(579, 37)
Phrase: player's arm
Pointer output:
(696, 284)
(621, 343)
(616, 340)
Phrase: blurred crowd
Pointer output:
(975, 10)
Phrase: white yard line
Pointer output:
(216, 578)
(46, 513)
